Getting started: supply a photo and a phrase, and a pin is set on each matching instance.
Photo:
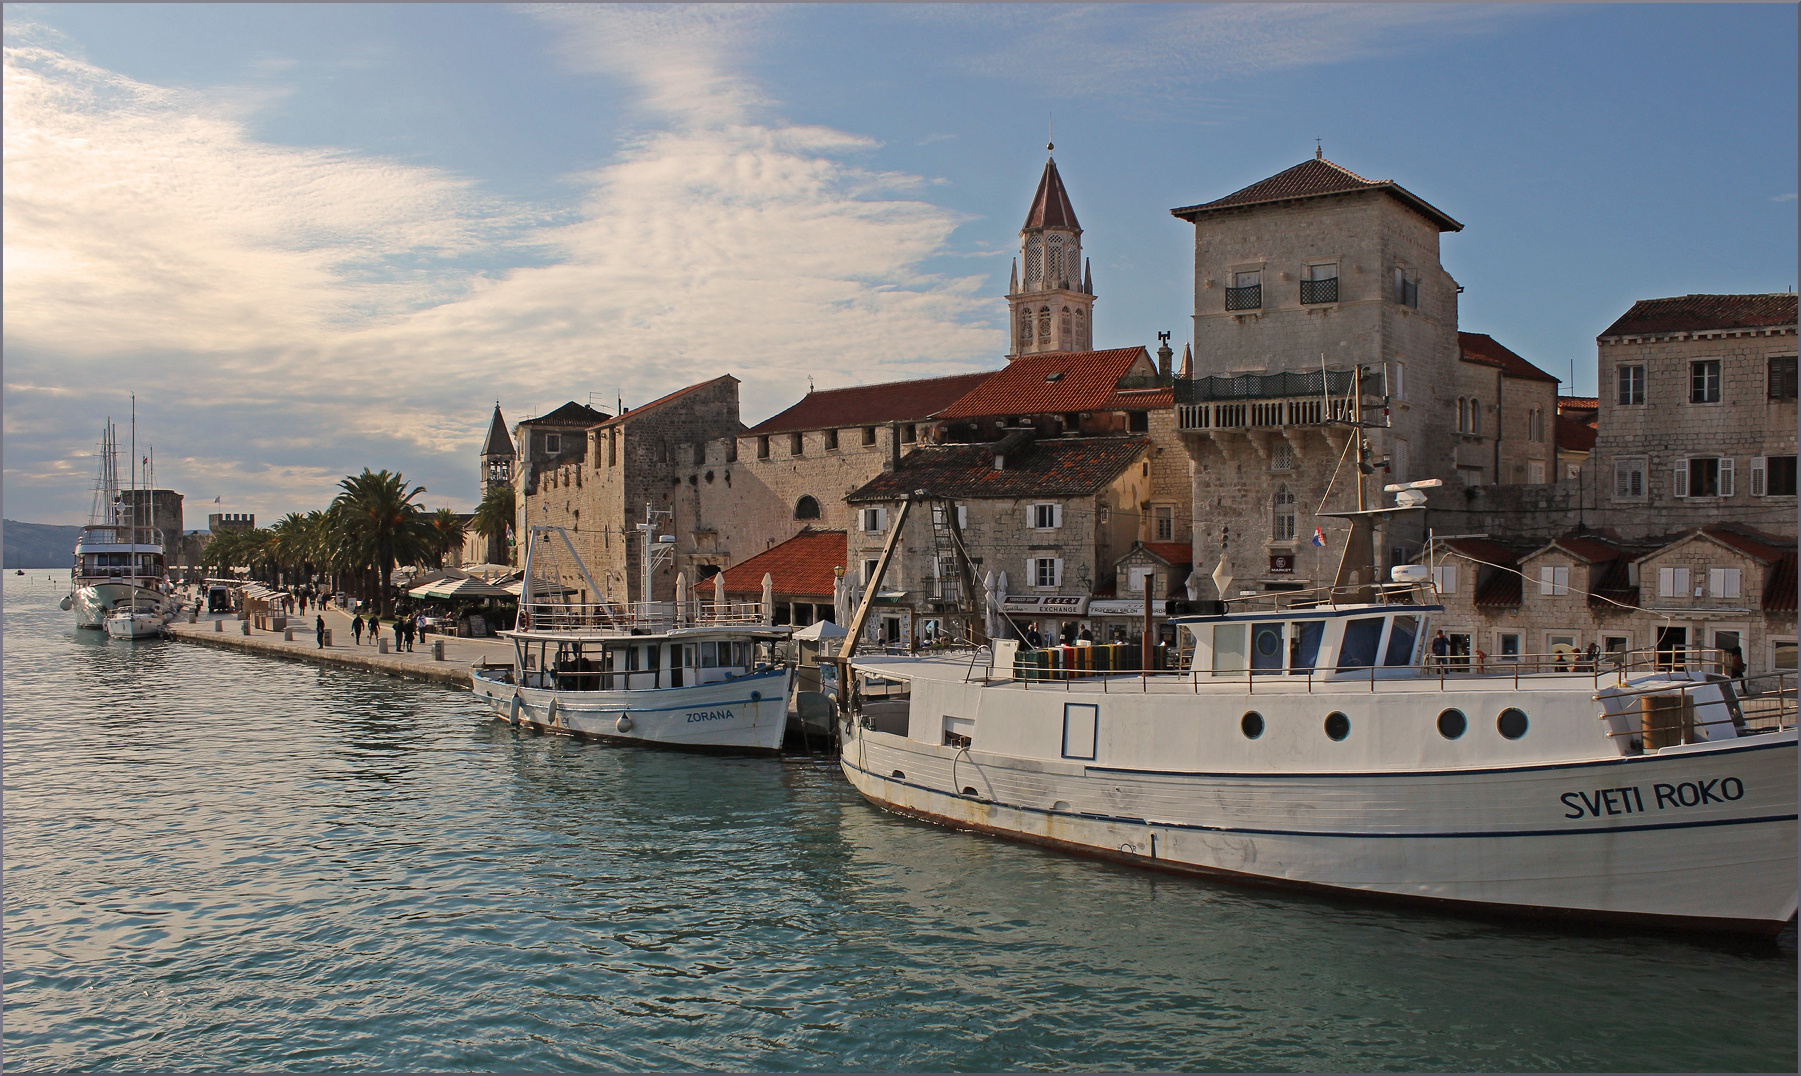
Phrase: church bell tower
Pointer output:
(1052, 307)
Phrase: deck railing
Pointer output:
(628, 617)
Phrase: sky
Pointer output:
(317, 238)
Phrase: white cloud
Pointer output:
(288, 315)
(1789, 197)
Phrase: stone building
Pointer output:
(1577, 429)
(1047, 518)
(1697, 422)
(495, 470)
(1512, 427)
(1300, 280)
(796, 468)
(1052, 308)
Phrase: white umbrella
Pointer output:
(768, 599)
(1222, 579)
(459, 588)
(822, 629)
(681, 598)
(718, 595)
(989, 627)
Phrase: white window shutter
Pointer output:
(962, 517)
(1759, 471)
(1547, 577)
(1725, 476)
(1031, 571)
(1057, 517)
(881, 519)
(1057, 572)
(1679, 479)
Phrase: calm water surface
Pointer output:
(217, 861)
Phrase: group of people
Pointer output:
(406, 629)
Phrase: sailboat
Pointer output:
(119, 572)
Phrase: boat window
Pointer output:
(1252, 724)
(1451, 724)
(633, 658)
(1358, 651)
(1512, 723)
(1400, 641)
(709, 655)
(1079, 721)
(1266, 647)
(655, 655)
(1304, 645)
(691, 655)
(1228, 647)
(1338, 726)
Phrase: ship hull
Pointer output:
(94, 602)
(748, 714)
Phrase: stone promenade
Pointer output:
(459, 654)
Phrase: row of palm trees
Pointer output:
(373, 525)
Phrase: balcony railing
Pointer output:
(1272, 386)
(1319, 291)
(1250, 298)
(1262, 414)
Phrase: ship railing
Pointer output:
(1671, 713)
(1423, 593)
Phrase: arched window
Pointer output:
(1475, 415)
(1025, 327)
(1081, 327)
(806, 508)
(1282, 515)
(1064, 324)
(1044, 323)
(1053, 262)
(1034, 262)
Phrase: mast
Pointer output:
(134, 499)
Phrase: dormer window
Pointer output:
(1053, 376)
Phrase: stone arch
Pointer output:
(806, 508)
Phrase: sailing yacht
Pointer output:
(119, 576)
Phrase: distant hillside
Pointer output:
(38, 545)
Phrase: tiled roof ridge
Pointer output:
(1474, 347)
(1088, 381)
(1314, 178)
(796, 565)
(1702, 312)
(1050, 205)
(634, 412)
(823, 408)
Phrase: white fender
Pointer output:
(550, 715)
(68, 602)
(624, 724)
(518, 707)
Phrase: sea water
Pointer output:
(216, 860)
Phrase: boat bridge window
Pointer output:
(1266, 648)
(1228, 648)
(1361, 637)
(1401, 640)
(1305, 638)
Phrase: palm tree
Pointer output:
(495, 515)
(377, 526)
(447, 535)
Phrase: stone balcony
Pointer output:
(1262, 409)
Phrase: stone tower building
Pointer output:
(1052, 307)
(497, 458)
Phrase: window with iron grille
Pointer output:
(1704, 381)
(1282, 515)
(1319, 283)
(1782, 377)
(1246, 291)
(1632, 385)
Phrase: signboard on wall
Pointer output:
(1281, 564)
(1124, 607)
(1065, 605)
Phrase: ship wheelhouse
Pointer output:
(1325, 641)
(685, 657)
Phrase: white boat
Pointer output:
(1312, 744)
(134, 625)
(684, 674)
(119, 564)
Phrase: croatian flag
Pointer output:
(1319, 537)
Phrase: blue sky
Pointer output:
(317, 238)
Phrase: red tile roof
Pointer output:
(1501, 591)
(1481, 549)
(1171, 553)
(872, 405)
(1314, 179)
(634, 412)
(1576, 431)
(1578, 403)
(570, 414)
(1485, 350)
(1063, 381)
(800, 567)
(1050, 206)
(1587, 550)
(1750, 545)
(1065, 467)
(1695, 313)
(1779, 585)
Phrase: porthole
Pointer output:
(1452, 723)
(1512, 723)
(899, 776)
(1252, 725)
(969, 790)
(1338, 726)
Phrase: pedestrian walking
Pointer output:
(356, 629)
(397, 634)
(1441, 649)
(319, 630)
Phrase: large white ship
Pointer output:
(1309, 741)
(685, 673)
(119, 568)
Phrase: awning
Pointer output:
(823, 629)
(1065, 605)
(458, 589)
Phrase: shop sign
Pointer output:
(1123, 607)
(1281, 563)
(1059, 605)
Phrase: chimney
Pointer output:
(1164, 355)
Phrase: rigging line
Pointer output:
(1356, 433)
(1528, 579)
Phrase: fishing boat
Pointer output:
(119, 566)
(1308, 740)
(684, 673)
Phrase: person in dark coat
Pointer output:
(408, 628)
(397, 633)
(356, 628)
(319, 631)
(1441, 648)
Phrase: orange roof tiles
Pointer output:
(872, 405)
(1064, 467)
(1063, 381)
(634, 412)
(1485, 350)
(1313, 179)
(799, 567)
(1171, 553)
(1697, 313)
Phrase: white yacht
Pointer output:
(688, 674)
(119, 568)
(1311, 743)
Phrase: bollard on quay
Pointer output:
(244, 626)
(218, 625)
(381, 644)
(437, 650)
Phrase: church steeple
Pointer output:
(1052, 306)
